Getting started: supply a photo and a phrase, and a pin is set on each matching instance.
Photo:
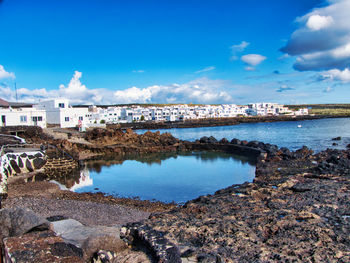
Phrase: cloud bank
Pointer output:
(322, 41)
(202, 90)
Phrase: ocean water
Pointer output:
(177, 178)
(315, 134)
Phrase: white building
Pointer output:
(58, 112)
(22, 116)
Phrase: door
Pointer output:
(3, 120)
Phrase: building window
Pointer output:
(35, 118)
(23, 118)
(66, 119)
(80, 118)
(61, 105)
(40, 118)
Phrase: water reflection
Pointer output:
(157, 158)
(166, 177)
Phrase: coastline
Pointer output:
(218, 122)
(296, 208)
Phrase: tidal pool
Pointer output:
(168, 178)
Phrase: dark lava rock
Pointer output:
(23, 155)
(235, 141)
(204, 139)
(212, 139)
(20, 162)
(38, 163)
(62, 249)
(223, 140)
(18, 221)
(12, 156)
(336, 139)
(29, 166)
(15, 166)
(334, 144)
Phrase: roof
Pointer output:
(4, 103)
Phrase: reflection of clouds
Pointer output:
(84, 180)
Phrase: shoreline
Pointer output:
(296, 208)
(218, 122)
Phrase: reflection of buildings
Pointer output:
(84, 180)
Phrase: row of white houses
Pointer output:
(59, 112)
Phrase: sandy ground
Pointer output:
(47, 199)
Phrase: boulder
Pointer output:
(235, 141)
(212, 139)
(223, 141)
(18, 221)
(38, 163)
(90, 239)
(336, 138)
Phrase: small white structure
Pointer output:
(59, 112)
(22, 116)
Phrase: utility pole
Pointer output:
(16, 92)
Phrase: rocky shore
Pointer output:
(296, 210)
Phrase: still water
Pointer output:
(316, 134)
(177, 178)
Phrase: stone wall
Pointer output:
(17, 163)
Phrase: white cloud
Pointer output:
(202, 90)
(138, 71)
(336, 74)
(322, 41)
(238, 48)
(4, 74)
(79, 93)
(317, 22)
(252, 60)
(205, 69)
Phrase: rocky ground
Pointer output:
(296, 210)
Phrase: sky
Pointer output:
(175, 51)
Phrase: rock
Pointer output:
(336, 138)
(20, 162)
(223, 141)
(204, 139)
(15, 166)
(334, 144)
(40, 247)
(212, 139)
(39, 163)
(90, 239)
(29, 166)
(235, 141)
(23, 155)
(18, 221)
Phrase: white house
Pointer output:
(22, 116)
(58, 112)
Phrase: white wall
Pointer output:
(23, 116)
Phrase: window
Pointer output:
(66, 119)
(35, 118)
(40, 118)
(23, 118)
(61, 105)
(80, 118)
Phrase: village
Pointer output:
(59, 112)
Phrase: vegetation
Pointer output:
(325, 109)
(102, 121)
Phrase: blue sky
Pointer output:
(176, 51)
